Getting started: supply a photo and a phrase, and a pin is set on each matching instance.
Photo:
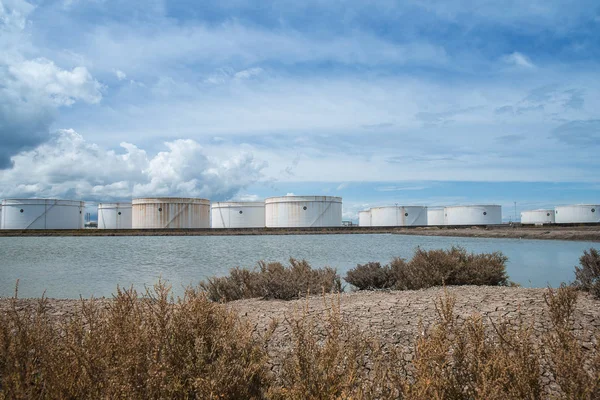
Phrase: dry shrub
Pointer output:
(272, 281)
(574, 372)
(461, 361)
(433, 268)
(329, 358)
(587, 277)
(241, 283)
(139, 347)
(131, 347)
(371, 276)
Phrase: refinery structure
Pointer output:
(170, 213)
(303, 212)
(114, 215)
(537, 217)
(577, 213)
(42, 214)
(274, 212)
(230, 214)
(399, 216)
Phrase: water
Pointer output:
(67, 267)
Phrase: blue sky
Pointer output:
(413, 102)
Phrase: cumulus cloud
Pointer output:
(32, 89)
(69, 166)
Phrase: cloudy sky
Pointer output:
(409, 102)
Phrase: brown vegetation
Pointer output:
(272, 281)
(153, 347)
(133, 348)
(452, 267)
(587, 275)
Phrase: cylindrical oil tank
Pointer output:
(170, 213)
(577, 213)
(114, 215)
(303, 211)
(537, 217)
(230, 214)
(435, 216)
(42, 214)
(364, 218)
(473, 215)
(399, 216)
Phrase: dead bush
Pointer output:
(370, 276)
(587, 275)
(134, 347)
(272, 281)
(329, 358)
(575, 373)
(461, 361)
(430, 268)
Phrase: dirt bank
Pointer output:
(591, 234)
(551, 232)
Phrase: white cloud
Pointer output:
(148, 48)
(248, 73)
(13, 14)
(120, 74)
(68, 166)
(41, 77)
(246, 197)
(32, 89)
(518, 59)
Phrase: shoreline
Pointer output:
(589, 232)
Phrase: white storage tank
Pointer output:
(537, 217)
(229, 214)
(42, 214)
(170, 213)
(577, 213)
(114, 215)
(303, 211)
(473, 215)
(364, 218)
(399, 216)
(435, 216)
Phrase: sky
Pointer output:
(380, 102)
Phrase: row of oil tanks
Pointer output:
(578, 213)
(284, 212)
(422, 216)
(171, 213)
(473, 215)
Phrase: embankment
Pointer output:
(549, 232)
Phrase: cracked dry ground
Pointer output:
(395, 317)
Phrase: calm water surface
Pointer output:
(68, 267)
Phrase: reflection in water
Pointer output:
(70, 266)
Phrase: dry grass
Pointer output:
(152, 346)
(133, 348)
(452, 267)
(272, 281)
(576, 373)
